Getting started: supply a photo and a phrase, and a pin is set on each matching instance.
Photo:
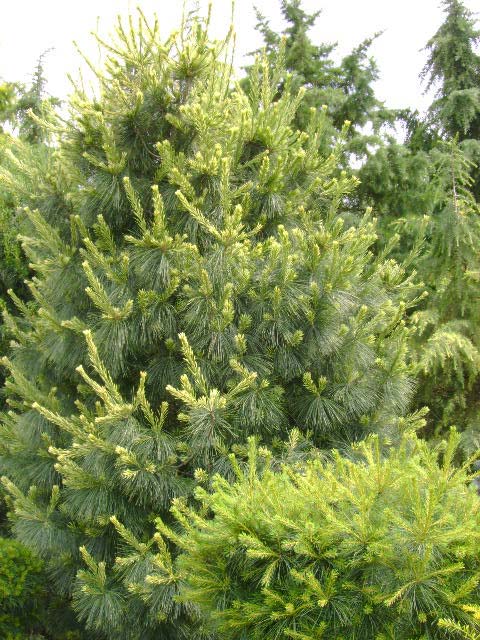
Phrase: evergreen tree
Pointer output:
(432, 176)
(370, 547)
(453, 66)
(28, 608)
(447, 336)
(345, 88)
(22, 106)
(193, 284)
(434, 223)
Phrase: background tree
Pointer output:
(194, 284)
(432, 174)
(21, 108)
(446, 339)
(345, 88)
(396, 173)
(27, 608)
(11, 264)
(453, 66)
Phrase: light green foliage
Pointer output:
(457, 630)
(378, 547)
(194, 284)
(20, 108)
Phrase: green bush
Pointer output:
(22, 590)
(28, 608)
(367, 548)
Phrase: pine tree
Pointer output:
(194, 284)
(28, 607)
(370, 547)
(13, 263)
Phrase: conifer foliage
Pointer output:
(446, 341)
(20, 108)
(345, 88)
(453, 67)
(436, 220)
(374, 547)
(429, 186)
(194, 285)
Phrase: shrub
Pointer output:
(378, 547)
(21, 590)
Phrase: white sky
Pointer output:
(28, 27)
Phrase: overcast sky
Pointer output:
(28, 27)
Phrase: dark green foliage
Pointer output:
(425, 198)
(13, 267)
(453, 66)
(194, 284)
(369, 547)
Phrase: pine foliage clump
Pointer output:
(194, 284)
(370, 547)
